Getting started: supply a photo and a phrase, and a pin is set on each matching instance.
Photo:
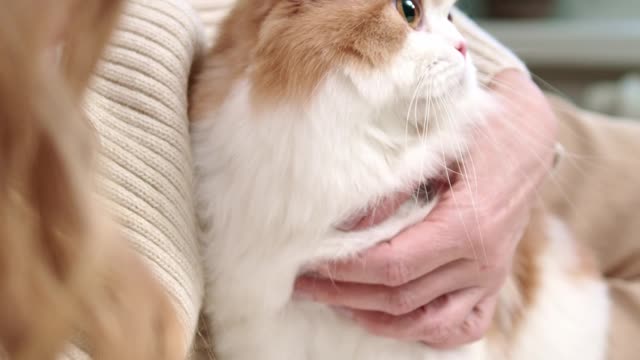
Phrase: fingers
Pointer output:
(473, 328)
(445, 320)
(409, 256)
(399, 300)
(451, 321)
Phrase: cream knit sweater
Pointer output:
(138, 105)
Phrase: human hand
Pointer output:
(438, 281)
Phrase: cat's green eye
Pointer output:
(410, 10)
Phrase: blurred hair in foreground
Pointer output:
(65, 274)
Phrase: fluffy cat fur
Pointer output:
(309, 111)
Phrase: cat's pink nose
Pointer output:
(462, 48)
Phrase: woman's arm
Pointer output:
(594, 191)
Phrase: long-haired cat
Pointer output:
(308, 116)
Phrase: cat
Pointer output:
(307, 116)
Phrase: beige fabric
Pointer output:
(594, 190)
(211, 13)
(138, 105)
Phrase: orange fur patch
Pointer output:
(286, 47)
(526, 274)
(526, 270)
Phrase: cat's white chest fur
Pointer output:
(270, 192)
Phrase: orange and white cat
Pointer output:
(307, 116)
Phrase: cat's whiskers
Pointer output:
(427, 114)
(556, 180)
(534, 130)
(445, 104)
(517, 94)
(510, 161)
(413, 104)
(560, 124)
(578, 136)
(547, 84)
(453, 196)
(481, 131)
(422, 135)
(465, 173)
(534, 142)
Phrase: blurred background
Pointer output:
(586, 50)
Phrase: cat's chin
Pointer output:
(453, 99)
(460, 81)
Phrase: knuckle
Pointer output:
(473, 335)
(476, 329)
(395, 273)
(400, 303)
(493, 269)
(496, 274)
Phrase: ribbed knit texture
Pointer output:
(211, 12)
(138, 105)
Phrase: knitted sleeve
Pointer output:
(138, 106)
(211, 13)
